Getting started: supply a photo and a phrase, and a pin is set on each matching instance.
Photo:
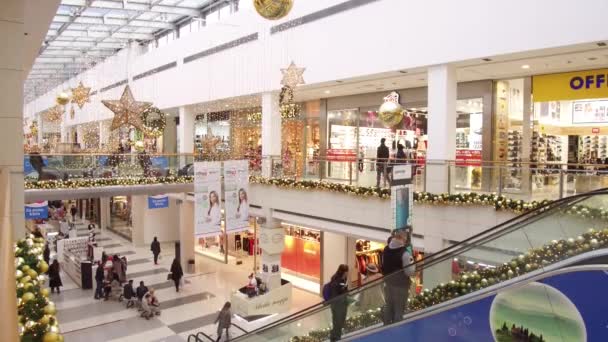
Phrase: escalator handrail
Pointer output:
(239, 328)
(444, 254)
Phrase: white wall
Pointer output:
(383, 36)
(334, 253)
(148, 223)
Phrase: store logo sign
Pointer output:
(37, 211)
(158, 202)
(590, 84)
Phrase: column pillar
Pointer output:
(271, 132)
(272, 243)
(185, 133)
(105, 220)
(12, 30)
(186, 232)
(138, 212)
(441, 126)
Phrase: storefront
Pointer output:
(120, 216)
(238, 134)
(301, 258)
(241, 246)
(355, 127)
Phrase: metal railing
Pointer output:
(522, 180)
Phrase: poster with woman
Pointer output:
(208, 199)
(236, 188)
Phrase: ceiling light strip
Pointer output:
(223, 47)
(154, 71)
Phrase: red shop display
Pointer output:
(302, 256)
(336, 154)
(468, 158)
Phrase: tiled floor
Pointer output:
(193, 309)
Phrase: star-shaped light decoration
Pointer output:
(80, 95)
(292, 76)
(127, 111)
(210, 144)
(53, 114)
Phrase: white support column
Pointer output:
(272, 243)
(105, 214)
(185, 133)
(186, 232)
(271, 132)
(138, 213)
(441, 126)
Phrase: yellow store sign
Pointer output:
(590, 84)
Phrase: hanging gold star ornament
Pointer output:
(81, 95)
(293, 76)
(127, 111)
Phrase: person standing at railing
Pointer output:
(382, 157)
(397, 282)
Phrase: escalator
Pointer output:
(541, 276)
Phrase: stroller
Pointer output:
(113, 290)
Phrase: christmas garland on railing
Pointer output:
(468, 282)
(37, 321)
(100, 182)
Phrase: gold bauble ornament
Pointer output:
(27, 297)
(25, 268)
(43, 266)
(46, 319)
(50, 309)
(273, 9)
(391, 112)
(25, 280)
(62, 99)
(32, 273)
(50, 337)
(18, 274)
(29, 324)
(44, 292)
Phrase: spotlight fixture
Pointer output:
(486, 59)
(327, 92)
(525, 66)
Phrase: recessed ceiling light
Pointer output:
(525, 66)
(327, 92)
(403, 71)
(592, 58)
(227, 105)
(339, 81)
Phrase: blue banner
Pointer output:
(160, 162)
(158, 202)
(565, 307)
(37, 211)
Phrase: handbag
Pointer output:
(169, 276)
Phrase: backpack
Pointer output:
(327, 291)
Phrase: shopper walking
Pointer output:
(382, 156)
(224, 320)
(339, 304)
(176, 273)
(155, 248)
(99, 281)
(46, 255)
(398, 268)
(116, 267)
(73, 212)
(54, 277)
(400, 157)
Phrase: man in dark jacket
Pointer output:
(141, 292)
(128, 293)
(382, 156)
(155, 248)
(99, 281)
(397, 268)
(339, 305)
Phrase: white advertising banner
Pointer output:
(236, 189)
(208, 199)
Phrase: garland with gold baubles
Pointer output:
(36, 313)
(101, 182)
(468, 282)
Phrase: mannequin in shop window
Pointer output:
(214, 213)
(242, 211)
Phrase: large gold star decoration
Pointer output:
(292, 76)
(54, 114)
(80, 95)
(127, 111)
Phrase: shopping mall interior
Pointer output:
(303, 170)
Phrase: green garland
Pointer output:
(100, 182)
(36, 313)
(468, 282)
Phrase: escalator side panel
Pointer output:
(568, 307)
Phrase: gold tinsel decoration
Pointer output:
(273, 9)
(80, 95)
(127, 111)
(53, 114)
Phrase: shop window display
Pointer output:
(302, 254)
(121, 221)
(240, 246)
